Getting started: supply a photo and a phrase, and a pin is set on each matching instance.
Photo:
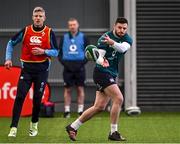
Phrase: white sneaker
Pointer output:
(33, 131)
(12, 132)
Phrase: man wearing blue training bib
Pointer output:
(72, 56)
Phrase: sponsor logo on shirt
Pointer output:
(35, 40)
(73, 49)
(111, 80)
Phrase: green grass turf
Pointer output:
(146, 128)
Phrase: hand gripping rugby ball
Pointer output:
(91, 52)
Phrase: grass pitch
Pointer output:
(146, 128)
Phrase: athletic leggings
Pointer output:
(26, 79)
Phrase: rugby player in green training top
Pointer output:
(115, 43)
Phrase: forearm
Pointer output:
(121, 47)
(51, 52)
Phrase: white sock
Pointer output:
(80, 108)
(76, 124)
(67, 108)
(114, 127)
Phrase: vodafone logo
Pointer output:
(73, 49)
(8, 90)
(35, 40)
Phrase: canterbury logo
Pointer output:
(35, 39)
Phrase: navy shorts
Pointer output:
(102, 79)
(76, 78)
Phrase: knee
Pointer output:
(67, 90)
(80, 90)
(99, 108)
(20, 97)
(119, 99)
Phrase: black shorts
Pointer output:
(76, 78)
(102, 79)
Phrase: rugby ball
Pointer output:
(91, 52)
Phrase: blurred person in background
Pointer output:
(72, 56)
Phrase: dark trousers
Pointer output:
(26, 79)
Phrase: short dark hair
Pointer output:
(121, 20)
(72, 19)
